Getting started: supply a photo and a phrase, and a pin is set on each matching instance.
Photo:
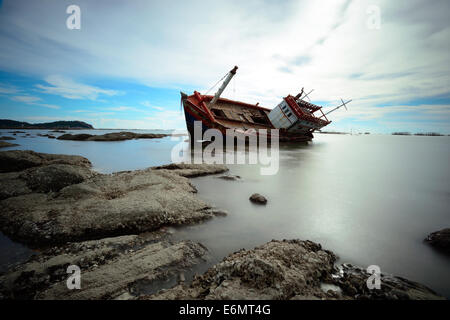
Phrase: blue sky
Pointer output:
(126, 65)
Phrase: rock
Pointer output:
(54, 201)
(150, 135)
(46, 135)
(219, 212)
(275, 270)
(353, 282)
(12, 185)
(229, 177)
(193, 170)
(440, 239)
(4, 144)
(7, 138)
(125, 296)
(114, 136)
(120, 272)
(54, 177)
(58, 131)
(257, 198)
(43, 179)
(289, 269)
(181, 277)
(17, 160)
(76, 137)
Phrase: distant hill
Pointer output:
(11, 124)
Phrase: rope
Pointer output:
(216, 83)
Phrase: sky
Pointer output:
(125, 66)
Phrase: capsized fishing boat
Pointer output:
(295, 118)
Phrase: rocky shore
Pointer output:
(112, 268)
(114, 227)
(51, 199)
(4, 144)
(114, 136)
(291, 270)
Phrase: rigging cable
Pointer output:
(216, 83)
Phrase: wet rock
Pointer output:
(219, 212)
(57, 202)
(58, 131)
(54, 177)
(257, 198)
(12, 185)
(46, 135)
(440, 239)
(110, 268)
(275, 270)
(76, 137)
(181, 277)
(7, 138)
(193, 170)
(17, 160)
(114, 136)
(290, 269)
(353, 282)
(229, 177)
(4, 144)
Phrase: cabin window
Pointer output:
(289, 114)
(219, 113)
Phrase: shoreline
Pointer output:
(109, 242)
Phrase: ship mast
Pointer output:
(227, 80)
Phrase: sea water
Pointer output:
(371, 199)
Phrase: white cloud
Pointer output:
(160, 120)
(8, 90)
(32, 100)
(148, 104)
(279, 48)
(124, 108)
(70, 89)
(50, 106)
(25, 99)
(367, 112)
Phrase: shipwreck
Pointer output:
(294, 117)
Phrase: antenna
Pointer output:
(306, 95)
(344, 104)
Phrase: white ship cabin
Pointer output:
(296, 116)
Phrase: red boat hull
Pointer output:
(195, 109)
